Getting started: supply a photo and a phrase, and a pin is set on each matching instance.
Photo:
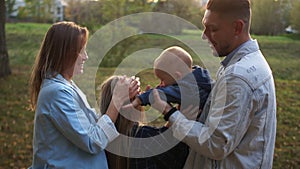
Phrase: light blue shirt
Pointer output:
(67, 131)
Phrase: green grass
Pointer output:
(283, 54)
(287, 149)
(16, 121)
(22, 49)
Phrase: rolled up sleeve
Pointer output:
(108, 128)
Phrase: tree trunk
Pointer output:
(4, 60)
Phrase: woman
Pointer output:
(67, 131)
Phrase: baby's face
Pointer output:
(165, 78)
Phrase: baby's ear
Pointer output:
(178, 75)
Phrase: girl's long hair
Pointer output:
(123, 125)
(59, 50)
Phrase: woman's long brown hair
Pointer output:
(59, 50)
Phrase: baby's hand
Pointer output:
(148, 87)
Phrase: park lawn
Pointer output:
(16, 120)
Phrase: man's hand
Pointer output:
(159, 104)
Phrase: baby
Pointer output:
(180, 82)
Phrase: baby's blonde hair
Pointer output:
(174, 59)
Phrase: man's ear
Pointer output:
(239, 26)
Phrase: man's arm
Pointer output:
(228, 120)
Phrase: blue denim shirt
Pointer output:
(67, 131)
(237, 128)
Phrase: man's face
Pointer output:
(219, 32)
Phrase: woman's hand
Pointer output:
(123, 90)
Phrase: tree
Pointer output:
(4, 60)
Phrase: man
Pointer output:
(237, 127)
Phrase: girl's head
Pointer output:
(106, 92)
(124, 122)
(59, 53)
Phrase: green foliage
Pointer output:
(93, 14)
(267, 17)
(16, 121)
(86, 13)
(295, 15)
(189, 10)
(270, 17)
(38, 11)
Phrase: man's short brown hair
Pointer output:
(237, 8)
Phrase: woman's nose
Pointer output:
(85, 56)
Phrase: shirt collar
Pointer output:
(60, 78)
(230, 55)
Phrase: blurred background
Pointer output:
(23, 24)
